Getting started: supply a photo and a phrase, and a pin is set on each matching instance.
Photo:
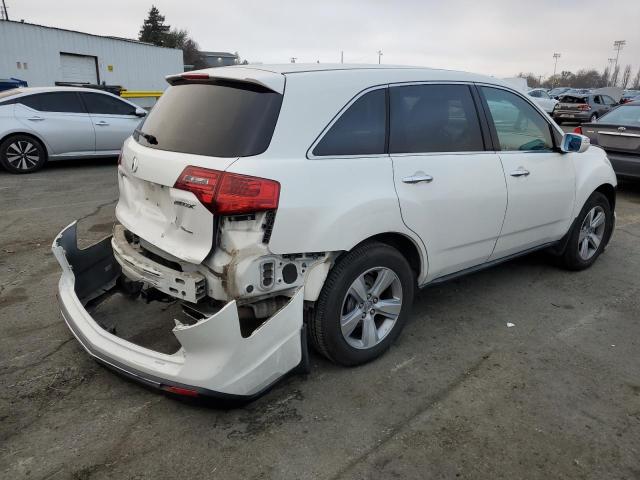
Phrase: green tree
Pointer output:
(153, 29)
(191, 54)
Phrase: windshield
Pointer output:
(627, 115)
(220, 119)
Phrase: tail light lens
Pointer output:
(584, 107)
(227, 193)
(578, 130)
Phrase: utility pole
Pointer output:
(617, 46)
(4, 9)
(556, 56)
(379, 56)
(293, 59)
(341, 56)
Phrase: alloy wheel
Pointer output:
(591, 232)
(371, 307)
(22, 155)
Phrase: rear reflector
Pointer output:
(227, 193)
(578, 130)
(187, 392)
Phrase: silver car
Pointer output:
(55, 123)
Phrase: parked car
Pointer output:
(541, 97)
(618, 132)
(39, 124)
(630, 96)
(582, 107)
(272, 215)
(556, 92)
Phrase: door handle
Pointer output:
(418, 177)
(35, 118)
(520, 172)
(102, 123)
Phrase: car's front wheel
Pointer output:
(22, 154)
(363, 305)
(590, 233)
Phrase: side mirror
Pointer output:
(572, 142)
(141, 112)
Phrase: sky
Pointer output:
(494, 37)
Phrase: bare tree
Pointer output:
(636, 81)
(626, 76)
(614, 76)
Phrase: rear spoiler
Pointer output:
(270, 80)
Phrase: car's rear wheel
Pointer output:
(363, 305)
(593, 118)
(22, 154)
(590, 233)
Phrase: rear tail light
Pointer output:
(578, 130)
(584, 107)
(227, 193)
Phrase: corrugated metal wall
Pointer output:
(37, 49)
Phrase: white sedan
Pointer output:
(543, 99)
(40, 124)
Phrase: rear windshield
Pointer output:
(222, 119)
(625, 115)
(571, 99)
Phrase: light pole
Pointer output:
(379, 56)
(617, 46)
(611, 62)
(4, 9)
(556, 56)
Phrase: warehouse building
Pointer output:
(43, 56)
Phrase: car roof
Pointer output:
(30, 90)
(273, 76)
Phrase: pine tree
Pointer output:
(153, 29)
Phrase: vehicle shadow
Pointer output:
(62, 165)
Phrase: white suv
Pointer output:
(284, 203)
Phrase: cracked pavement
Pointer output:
(460, 395)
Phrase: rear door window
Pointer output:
(360, 130)
(218, 119)
(98, 103)
(433, 118)
(518, 125)
(61, 102)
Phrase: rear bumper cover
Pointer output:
(214, 359)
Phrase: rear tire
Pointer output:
(22, 154)
(590, 233)
(363, 306)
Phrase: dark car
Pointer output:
(556, 92)
(582, 107)
(618, 132)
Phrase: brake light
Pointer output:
(228, 193)
(578, 130)
(195, 76)
(584, 107)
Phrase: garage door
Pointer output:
(78, 68)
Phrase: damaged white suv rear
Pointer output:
(261, 207)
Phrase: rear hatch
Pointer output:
(573, 103)
(202, 122)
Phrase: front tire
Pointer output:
(363, 306)
(22, 154)
(590, 233)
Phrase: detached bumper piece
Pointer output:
(214, 359)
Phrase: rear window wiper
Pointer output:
(147, 136)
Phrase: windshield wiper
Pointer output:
(147, 136)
